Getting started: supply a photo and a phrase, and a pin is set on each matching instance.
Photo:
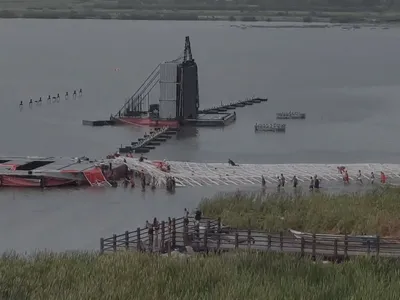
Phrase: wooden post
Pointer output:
(162, 236)
(127, 240)
(269, 241)
(302, 244)
(219, 234)
(114, 242)
(206, 235)
(173, 233)
(185, 231)
(249, 238)
(236, 240)
(335, 249)
(101, 246)
(314, 246)
(281, 241)
(197, 235)
(368, 247)
(138, 239)
(346, 246)
(169, 247)
(378, 245)
(169, 229)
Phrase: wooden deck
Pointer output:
(211, 235)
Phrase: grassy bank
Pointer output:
(375, 212)
(243, 276)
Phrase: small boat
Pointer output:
(330, 238)
(291, 115)
(273, 127)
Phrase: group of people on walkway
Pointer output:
(346, 178)
(281, 182)
(51, 99)
(315, 181)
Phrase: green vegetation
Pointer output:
(128, 275)
(344, 11)
(375, 212)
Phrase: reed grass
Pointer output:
(128, 275)
(375, 212)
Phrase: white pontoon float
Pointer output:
(208, 174)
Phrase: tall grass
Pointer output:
(240, 276)
(376, 212)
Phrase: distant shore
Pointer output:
(202, 15)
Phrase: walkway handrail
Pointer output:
(211, 235)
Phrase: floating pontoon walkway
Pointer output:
(208, 174)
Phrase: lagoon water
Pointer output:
(346, 81)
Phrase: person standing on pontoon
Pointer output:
(295, 181)
(279, 183)
(359, 177)
(346, 178)
(311, 186)
(153, 183)
(316, 182)
(283, 180)
(383, 178)
(372, 178)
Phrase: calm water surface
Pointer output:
(346, 81)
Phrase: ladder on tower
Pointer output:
(136, 101)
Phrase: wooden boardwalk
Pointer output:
(211, 235)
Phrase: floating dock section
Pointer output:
(207, 174)
(150, 141)
(223, 108)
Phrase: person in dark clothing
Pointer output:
(197, 216)
(283, 180)
(263, 182)
(316, 182)
(295, 181)
(231, 162)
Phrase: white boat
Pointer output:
(330, 238)
(273, 127)
(291, 115)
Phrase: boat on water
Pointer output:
(56, 172)
(330, 238)
(291, 115)
(273, 127)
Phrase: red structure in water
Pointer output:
(56, 172)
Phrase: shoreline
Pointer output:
(232, 15)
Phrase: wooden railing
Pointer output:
(211, 235)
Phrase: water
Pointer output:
(346, 82)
